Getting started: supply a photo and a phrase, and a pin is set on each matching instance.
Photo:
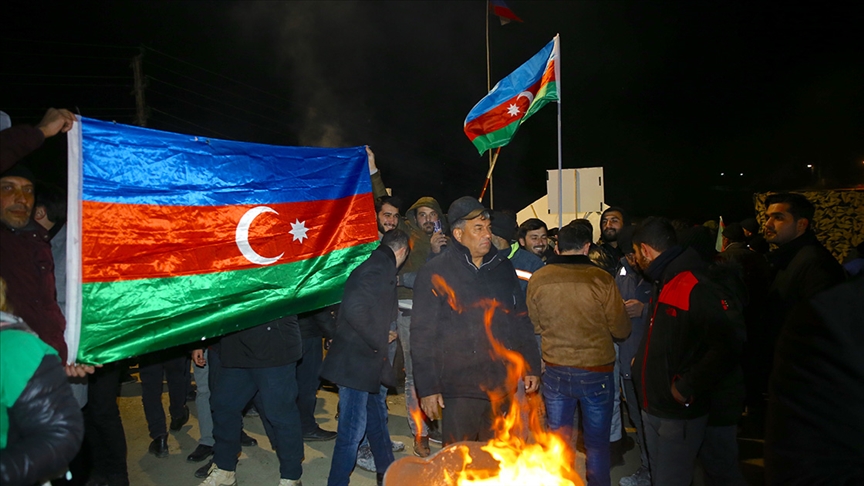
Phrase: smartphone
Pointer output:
(437, 227)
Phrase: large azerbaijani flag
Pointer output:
(175, 238)
(494, 120)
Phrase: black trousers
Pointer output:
(308, 369)
(103, 429)
(466, 419)
(175, 367)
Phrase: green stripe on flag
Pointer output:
(548, 92)
(134, 317)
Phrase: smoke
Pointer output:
(297, 35)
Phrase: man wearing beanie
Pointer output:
(454, 367)
(504, 231)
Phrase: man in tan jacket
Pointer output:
(577, 311)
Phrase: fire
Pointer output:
(526, 453)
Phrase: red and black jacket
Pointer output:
(690, 339)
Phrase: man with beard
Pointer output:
(387, 210)
(455, 363)
(690, 345)
(636, 292)
(611, 222)
(533, 237)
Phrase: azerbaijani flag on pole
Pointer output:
(494, 120)
(175, 238)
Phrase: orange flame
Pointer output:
(418, 417)
(526, 453)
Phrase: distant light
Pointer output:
(722, 173)
(741, 174)
(809, 166)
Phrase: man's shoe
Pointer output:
(397, 446)
(204, 470)
(177, 423)
(379, 479)
(290, 482)
(219, 477)
(200, 453)
(421, 446)
(159, 446)
(319, 434)
(365, 460)
(435, 435)
(642, 477)
(246, 440)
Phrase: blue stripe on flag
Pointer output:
(518, 81)
(133, 165)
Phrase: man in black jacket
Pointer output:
(263, 360)
(801, 266)
(358, 360)
(689, 346)
(453, 356)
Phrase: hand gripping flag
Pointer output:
(494, 120)
(175, 239)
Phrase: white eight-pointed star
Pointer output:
(513, 110)
(298, 230)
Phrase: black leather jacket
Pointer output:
(45, 426)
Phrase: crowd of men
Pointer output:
(650, 315)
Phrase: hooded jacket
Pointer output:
(690, 339)
(419, 241)
(451, 351)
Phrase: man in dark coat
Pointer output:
(453, 356)
(358, 360)
(815, 417)
(690, 344)
(801, 266)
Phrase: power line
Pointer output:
(215, 99)
(218, 74)
(64, 75)
(211, 85)
(215, 111)
(65, 43)
(227, 137)
(54, 54)
(83, 85)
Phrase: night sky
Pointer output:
(665, 96)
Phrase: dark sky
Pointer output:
(664, 95)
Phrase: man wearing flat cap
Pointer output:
(454, 364)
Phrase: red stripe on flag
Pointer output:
(135, 241)
(500, 116)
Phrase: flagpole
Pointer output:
(493, 159)
(488, 88)
(560, 165)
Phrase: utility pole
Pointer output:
(140, 84)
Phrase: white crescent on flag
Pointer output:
(242, 236)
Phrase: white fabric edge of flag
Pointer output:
(73, 241)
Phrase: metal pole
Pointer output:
(560, 165)
(488, 88)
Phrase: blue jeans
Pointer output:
(277, 389)
(360, 413)
(563, 389)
